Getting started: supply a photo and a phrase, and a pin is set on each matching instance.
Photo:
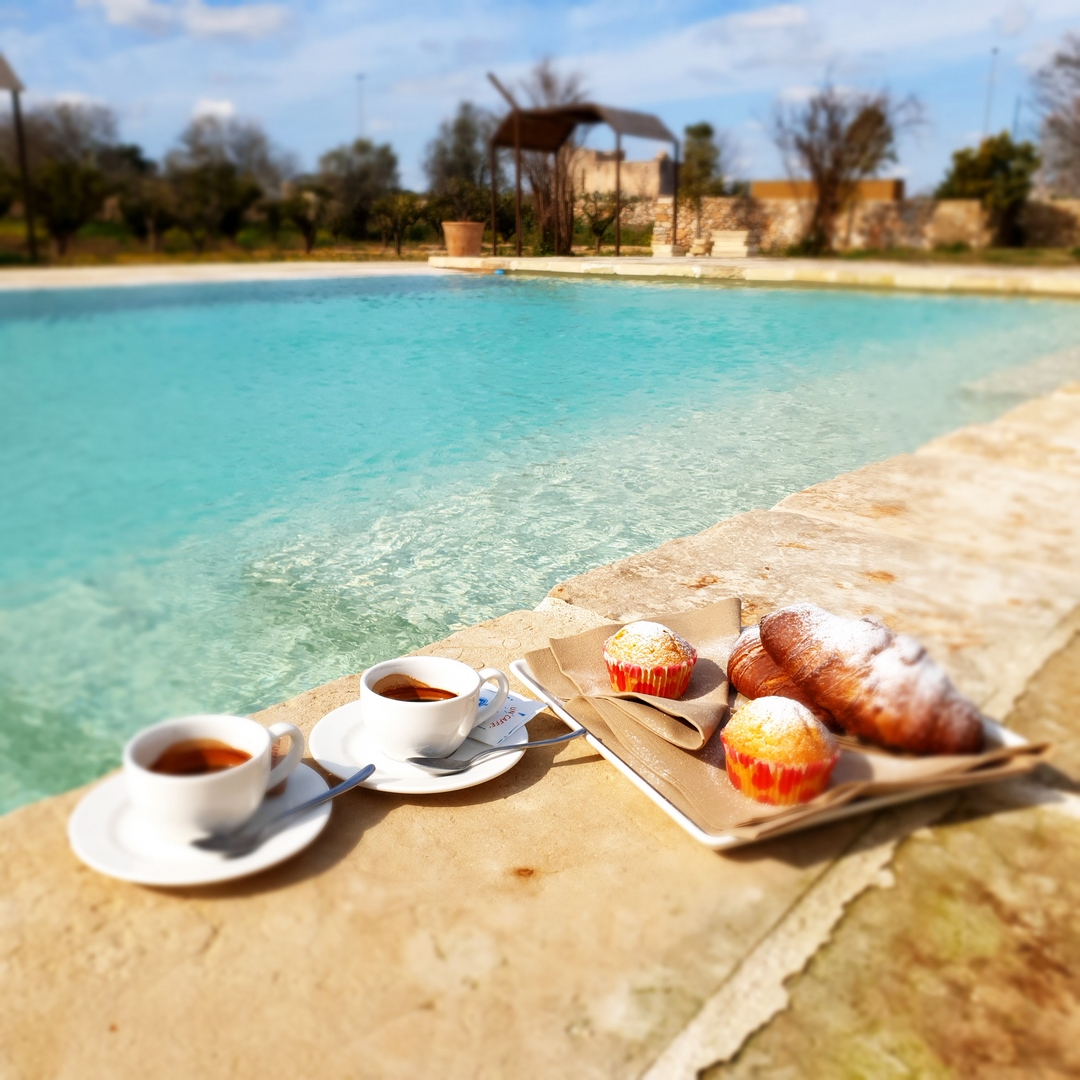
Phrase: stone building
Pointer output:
(594, 170)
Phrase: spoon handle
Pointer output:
(529, 745)
(448, 766)
(244, 841)
(326, 796)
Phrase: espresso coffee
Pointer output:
(196, 757)
(402, 688)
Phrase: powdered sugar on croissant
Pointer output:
(878, 685)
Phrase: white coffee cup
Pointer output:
(185, 808)
(405, 729)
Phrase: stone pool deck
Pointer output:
(554, 923)
(1011, 280)
(110, 277)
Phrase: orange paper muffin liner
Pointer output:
(664, 680)
(774, 783)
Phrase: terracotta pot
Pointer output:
(463, 238)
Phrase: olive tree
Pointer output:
(306, 206)
(396, 213)
(67, 194)
(998, 172)
(218, 172)
(705, 155)
(66, 144)
(357, 176)
(457, 164)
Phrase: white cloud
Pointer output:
(194, 17)
(1039, 55)
(250, 21)
(779, 17)
(75, 98)
(1015, 19)
(220, 109)
(145, 15)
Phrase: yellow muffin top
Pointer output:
(779, 730)
(649, 644)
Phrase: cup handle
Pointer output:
(492, 707)
(281, 771)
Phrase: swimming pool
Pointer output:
(217, 496)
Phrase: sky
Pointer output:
(293, 65)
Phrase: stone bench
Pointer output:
(730, 243)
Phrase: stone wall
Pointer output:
(1052, 223)
(775, 224)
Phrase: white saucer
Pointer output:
(109, 836)
(340, 743)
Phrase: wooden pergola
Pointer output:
(547, 131)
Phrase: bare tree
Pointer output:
(61, 131)
(66, 145)
(1057, 87)
(243, 144)
(218, 172)
(835, 140)
(549, 175)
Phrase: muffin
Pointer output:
(647, 658)
(778, 752)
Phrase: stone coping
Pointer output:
(554, 922)
(1059, 282)
(1019, 281)
(103, 277)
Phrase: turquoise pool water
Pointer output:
(215, 497)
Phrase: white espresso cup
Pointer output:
(405, 729)
(187, 807)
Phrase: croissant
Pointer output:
(754, 673)
(878, 685)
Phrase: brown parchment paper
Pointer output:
(694, 779)
(688, 722)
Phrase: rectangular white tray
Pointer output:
(996, 735)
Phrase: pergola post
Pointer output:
(556, 200)
(618, 192)
(494, 234)
(9, 81)
(675, 196)
(517, 179)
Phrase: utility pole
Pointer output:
(10, 81)
(990, 91)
